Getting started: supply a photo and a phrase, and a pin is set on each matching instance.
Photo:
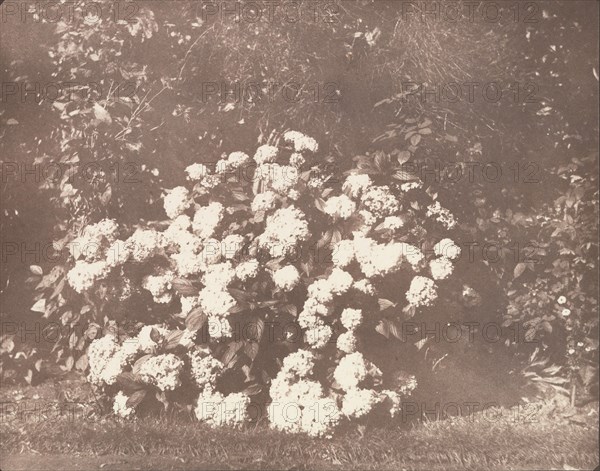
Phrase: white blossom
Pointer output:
(340, 207)
(120, 407)
(247, 270)
(301, 141)
(265, 154)
(218, 410)
(380, 201)
(83, 275)
(442, 215)
(318, 335)
(196, 172)
(264, 201)
(422, 291)
(351, 318)
(351, 370)
(93, 239)
(146, 343)
(441, 268)
(207, 218)
(100, 353)
(176, 201)
(216, 302)
(284, 229)
(356, 184)
(392, 223)
(447, 248)
(205, 368)
(359, 402)
(339, 281)
(343, 253)
(297, 160)
(286, 278)
(163, 371)
(145, 243)
(346, 342)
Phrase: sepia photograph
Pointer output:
(299, 235)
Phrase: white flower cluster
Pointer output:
(93, 237)
(281, 179)
(346, 342)
(286, 278)
(284, 229)
(217, 410)
(377, 259)
(176, 201)
(234, 161)
(321, 292)
(422, 291)
(364, 286)
(356, 184)
(207, 218)
(100, 353)
(411, 186)
(299, 404)
(442, 215)
(246, 270)
(197, 172)
(120, 407)
(204, 368)
(187, 339)
(145, 243)
(357, 402)
(301, 141)
(447, 248)
(264, 201)
(159, 286)
(118, 253)
(392, 223)
(380, 201)
(83, 275)
(201, 174)
(352, 370)
(339, 281)
(441, 268)
(163, 371)
(318, 335)
(188, 304)
(351, 319)
(265, 154)
(218, 276)
(297, 160)
(367, 219)
(343, 253)
(216, 302)
(340, 207)
(108, 359)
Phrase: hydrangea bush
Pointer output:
(265, 288)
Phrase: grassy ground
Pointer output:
(168, 445)
(498, 439)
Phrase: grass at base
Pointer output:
(466, 443)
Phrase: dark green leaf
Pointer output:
(195, 320)
(136, 398)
